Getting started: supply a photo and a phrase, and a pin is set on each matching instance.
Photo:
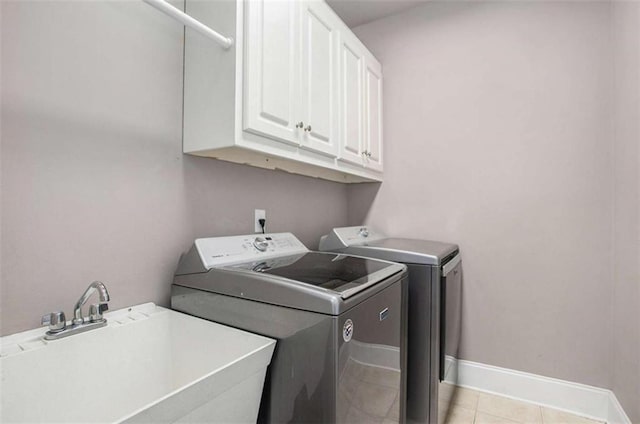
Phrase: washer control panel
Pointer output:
(223, 251)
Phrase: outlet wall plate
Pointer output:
(259, 214)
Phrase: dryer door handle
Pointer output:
(449, 266)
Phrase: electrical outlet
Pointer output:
(259, 214)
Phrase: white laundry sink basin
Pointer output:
(149, 364)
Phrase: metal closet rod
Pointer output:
(192, 23)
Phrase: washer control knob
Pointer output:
(261, 244)
(363, 232)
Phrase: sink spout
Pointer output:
(103, 294)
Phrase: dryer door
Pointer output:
(450, 317)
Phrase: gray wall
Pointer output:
(94, 182)
(626, 289)
(498, 137)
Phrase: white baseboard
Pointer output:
(580, 399)
(615, 413)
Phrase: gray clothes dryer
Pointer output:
(435, 288)
(339, 322)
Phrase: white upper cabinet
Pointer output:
(319, 79)
(272, 100)
(360, 105)
(373, 115)
(351, 100)
(297, 91)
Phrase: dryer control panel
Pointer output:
(223, 251)
(342, 237)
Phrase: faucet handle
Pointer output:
(55, 320)
(96, 310)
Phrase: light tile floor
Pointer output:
(473, 407)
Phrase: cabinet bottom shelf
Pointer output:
(260, 160)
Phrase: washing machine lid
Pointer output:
(364, 241)
(341, 274)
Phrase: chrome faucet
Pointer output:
(96, 310)
(57, 322)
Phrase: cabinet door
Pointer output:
(271, 85)
(319, 77)
(351, 99)
(373, 114)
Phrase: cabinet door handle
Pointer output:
(308, 129)
(300, 124)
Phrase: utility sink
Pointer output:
(149, 364)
